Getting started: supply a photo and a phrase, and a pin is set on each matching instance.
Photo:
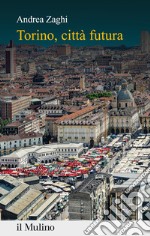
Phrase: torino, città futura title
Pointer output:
(70, 35)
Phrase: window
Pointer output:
(126, 104)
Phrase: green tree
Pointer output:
(3, 123)
(99, 95)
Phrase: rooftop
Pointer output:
(24, 201)
(77, 113)
(6, 138)
(91, 183)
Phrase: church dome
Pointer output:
(122, 81)
(124, 94)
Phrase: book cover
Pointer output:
(75, 117)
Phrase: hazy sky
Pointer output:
(127, 16)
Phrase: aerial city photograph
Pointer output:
(74, 120)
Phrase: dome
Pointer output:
(122, 81)
(124, 95)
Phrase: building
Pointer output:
(145, 122)
(38, 79)
(82, 82)
(19, 201)
(41, 154)
(83, 131)
(89, 129)
(52, 110)
(64, 50)
(145, 41)
(21, 115)
(51, 126)
(103, 60)
(10, 143)
(13, 128)
(129, 188)
(89, 200)
(32, 69)
(10, 55)
(142, 102)
(126, 121)
(128, 207)
(18, 71)
(77, 115)
(10, 106)
(45, 209)
(124, 117)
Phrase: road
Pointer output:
(64, 215)
(112, 162)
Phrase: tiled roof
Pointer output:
(77, 113)
(18, 137)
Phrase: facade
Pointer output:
(10, 54)
(30, 124)
(90, 123)
(83, 131)
(51, 126)
(89, 200)
(10, 143)
(51, 110)
(21, 115)
(41, 154)
(145, 122)
(78, 115)
(82, 82)
(143, 105)
(32, 69)
(18, 71)
(126, 121)
(10, 106)
(14, 128)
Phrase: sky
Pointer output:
(129, 17)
